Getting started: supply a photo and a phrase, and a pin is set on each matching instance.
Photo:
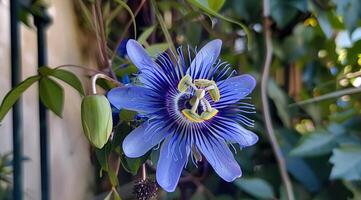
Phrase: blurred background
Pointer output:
(313, 92)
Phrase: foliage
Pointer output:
(313, 91)
(5, 176)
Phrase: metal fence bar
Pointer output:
(17, 114)
(41, 22)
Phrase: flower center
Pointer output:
(200, 87)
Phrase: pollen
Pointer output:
(200, 87)
(206, 115)
(193, 117)
(184, 83)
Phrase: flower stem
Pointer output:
(144, 172)
(266, 110)
(95, 77)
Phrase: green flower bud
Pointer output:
(96, 117)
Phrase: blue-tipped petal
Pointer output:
(139, 56)
(142, 139)
(134, 98)
(173, 157)
(203, 61)
(150, 73)
(235, 89)
(233, 132)
(220, 157)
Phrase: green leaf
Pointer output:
(350, 10)
(279, 15)
(24, 16)
(121, 130)
(156, 49)
(281, 100)
(132, 165)
(301, 170)
(13, 95)
(205, 6)
(214, 5)
(284, 11)
(346, 162)
(145, 35)
(52, 95)
(130, 69)
(315, 144)
(127, 115)
(256, 187)
(64, 75)
(69, 78)
(325, 24)
(353, 53)
(102, 156)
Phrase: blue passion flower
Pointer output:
(194, 108)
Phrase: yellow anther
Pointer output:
(206, 115)
(200, 87)
(215, 94)
(203, 82)
(184, 83)
(193, 117)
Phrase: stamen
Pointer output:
(200, 93)
(193, 117)
(211, 87)
(203, 82)
(206, 115)
(215, 94)
(185, 83)
(195, 105)
(199, 96)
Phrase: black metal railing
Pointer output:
(41, 20)
(17, 114)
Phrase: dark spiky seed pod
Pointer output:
(145, 189)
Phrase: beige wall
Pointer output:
(71, 172)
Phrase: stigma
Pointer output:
(200, 87)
